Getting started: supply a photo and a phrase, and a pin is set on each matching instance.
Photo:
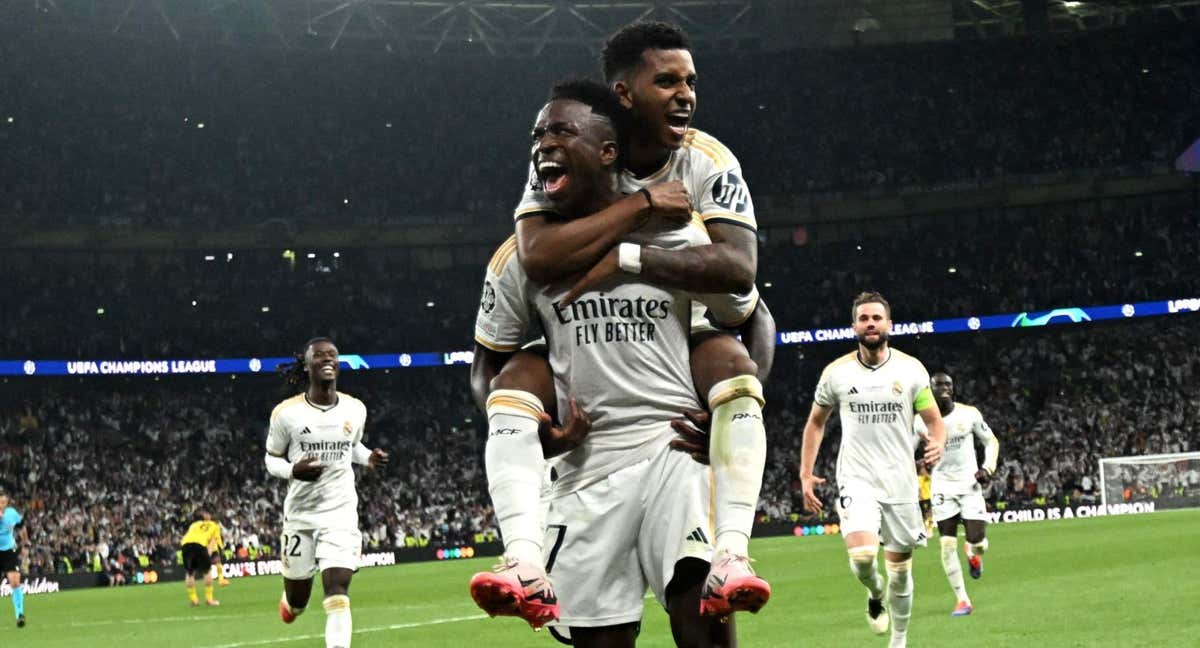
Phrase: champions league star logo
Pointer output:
(488, 301)
(30, 367)
(973, 323)
(255, 365)
(405, 360)
(1128, 310)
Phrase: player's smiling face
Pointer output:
(322, 361)
(942, 387)
(572, 153)
(872, 325)
(662, 95)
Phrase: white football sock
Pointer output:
(977, 548)
(515, 464)
(953, 568)
(738, 454)
(338, 624)
(900, 596)
(862, 563)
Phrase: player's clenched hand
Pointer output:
(670, 200)
(571, 435)
(807, 484)
(983, 476)
(307, 469)
(693, 434)
(605, 269)
(378, 458)
(933, 451)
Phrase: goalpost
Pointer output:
(1171, 481)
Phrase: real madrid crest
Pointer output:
(896, 388)
(347, 428)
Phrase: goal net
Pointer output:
(1171, 481)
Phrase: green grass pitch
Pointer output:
(1117, 581)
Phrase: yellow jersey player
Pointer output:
(924, 484)
(314, 439)
(958, 483)
(203, 537)
(877, 392)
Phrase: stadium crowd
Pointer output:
(115, 469)
(108, 470)
(194, 136)
(171, 305)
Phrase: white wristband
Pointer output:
(629, 257)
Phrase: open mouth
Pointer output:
(554, 177)
(329, 370)
(678, 121)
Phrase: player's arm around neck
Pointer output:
(728, 265)
(550, 251)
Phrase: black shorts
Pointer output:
(196, 559)
(8, 561)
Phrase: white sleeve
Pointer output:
(504, 314)
(719, 191)
(920, 383)
(278, 437)
(825, 395)
(361, 454)
(991, 445)
(278, 466)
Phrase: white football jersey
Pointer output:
(299, 429)
(713, 178)
(621, 351)
(955, 473)
(877, 406)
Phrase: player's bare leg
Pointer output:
(295, 598)
(339, 625)
(948, 530)
(208, 590)
(976, 546)
(900, 594)
(618, 636)
(863, 549)
(190, 583)
(519, 585)
(722, 370)
(688, 627)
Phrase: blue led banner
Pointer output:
(1053, 317)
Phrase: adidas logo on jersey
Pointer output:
(853, 390)
(697, 535)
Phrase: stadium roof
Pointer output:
(531, 28)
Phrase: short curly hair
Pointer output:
(623, 50)
(600, 99)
